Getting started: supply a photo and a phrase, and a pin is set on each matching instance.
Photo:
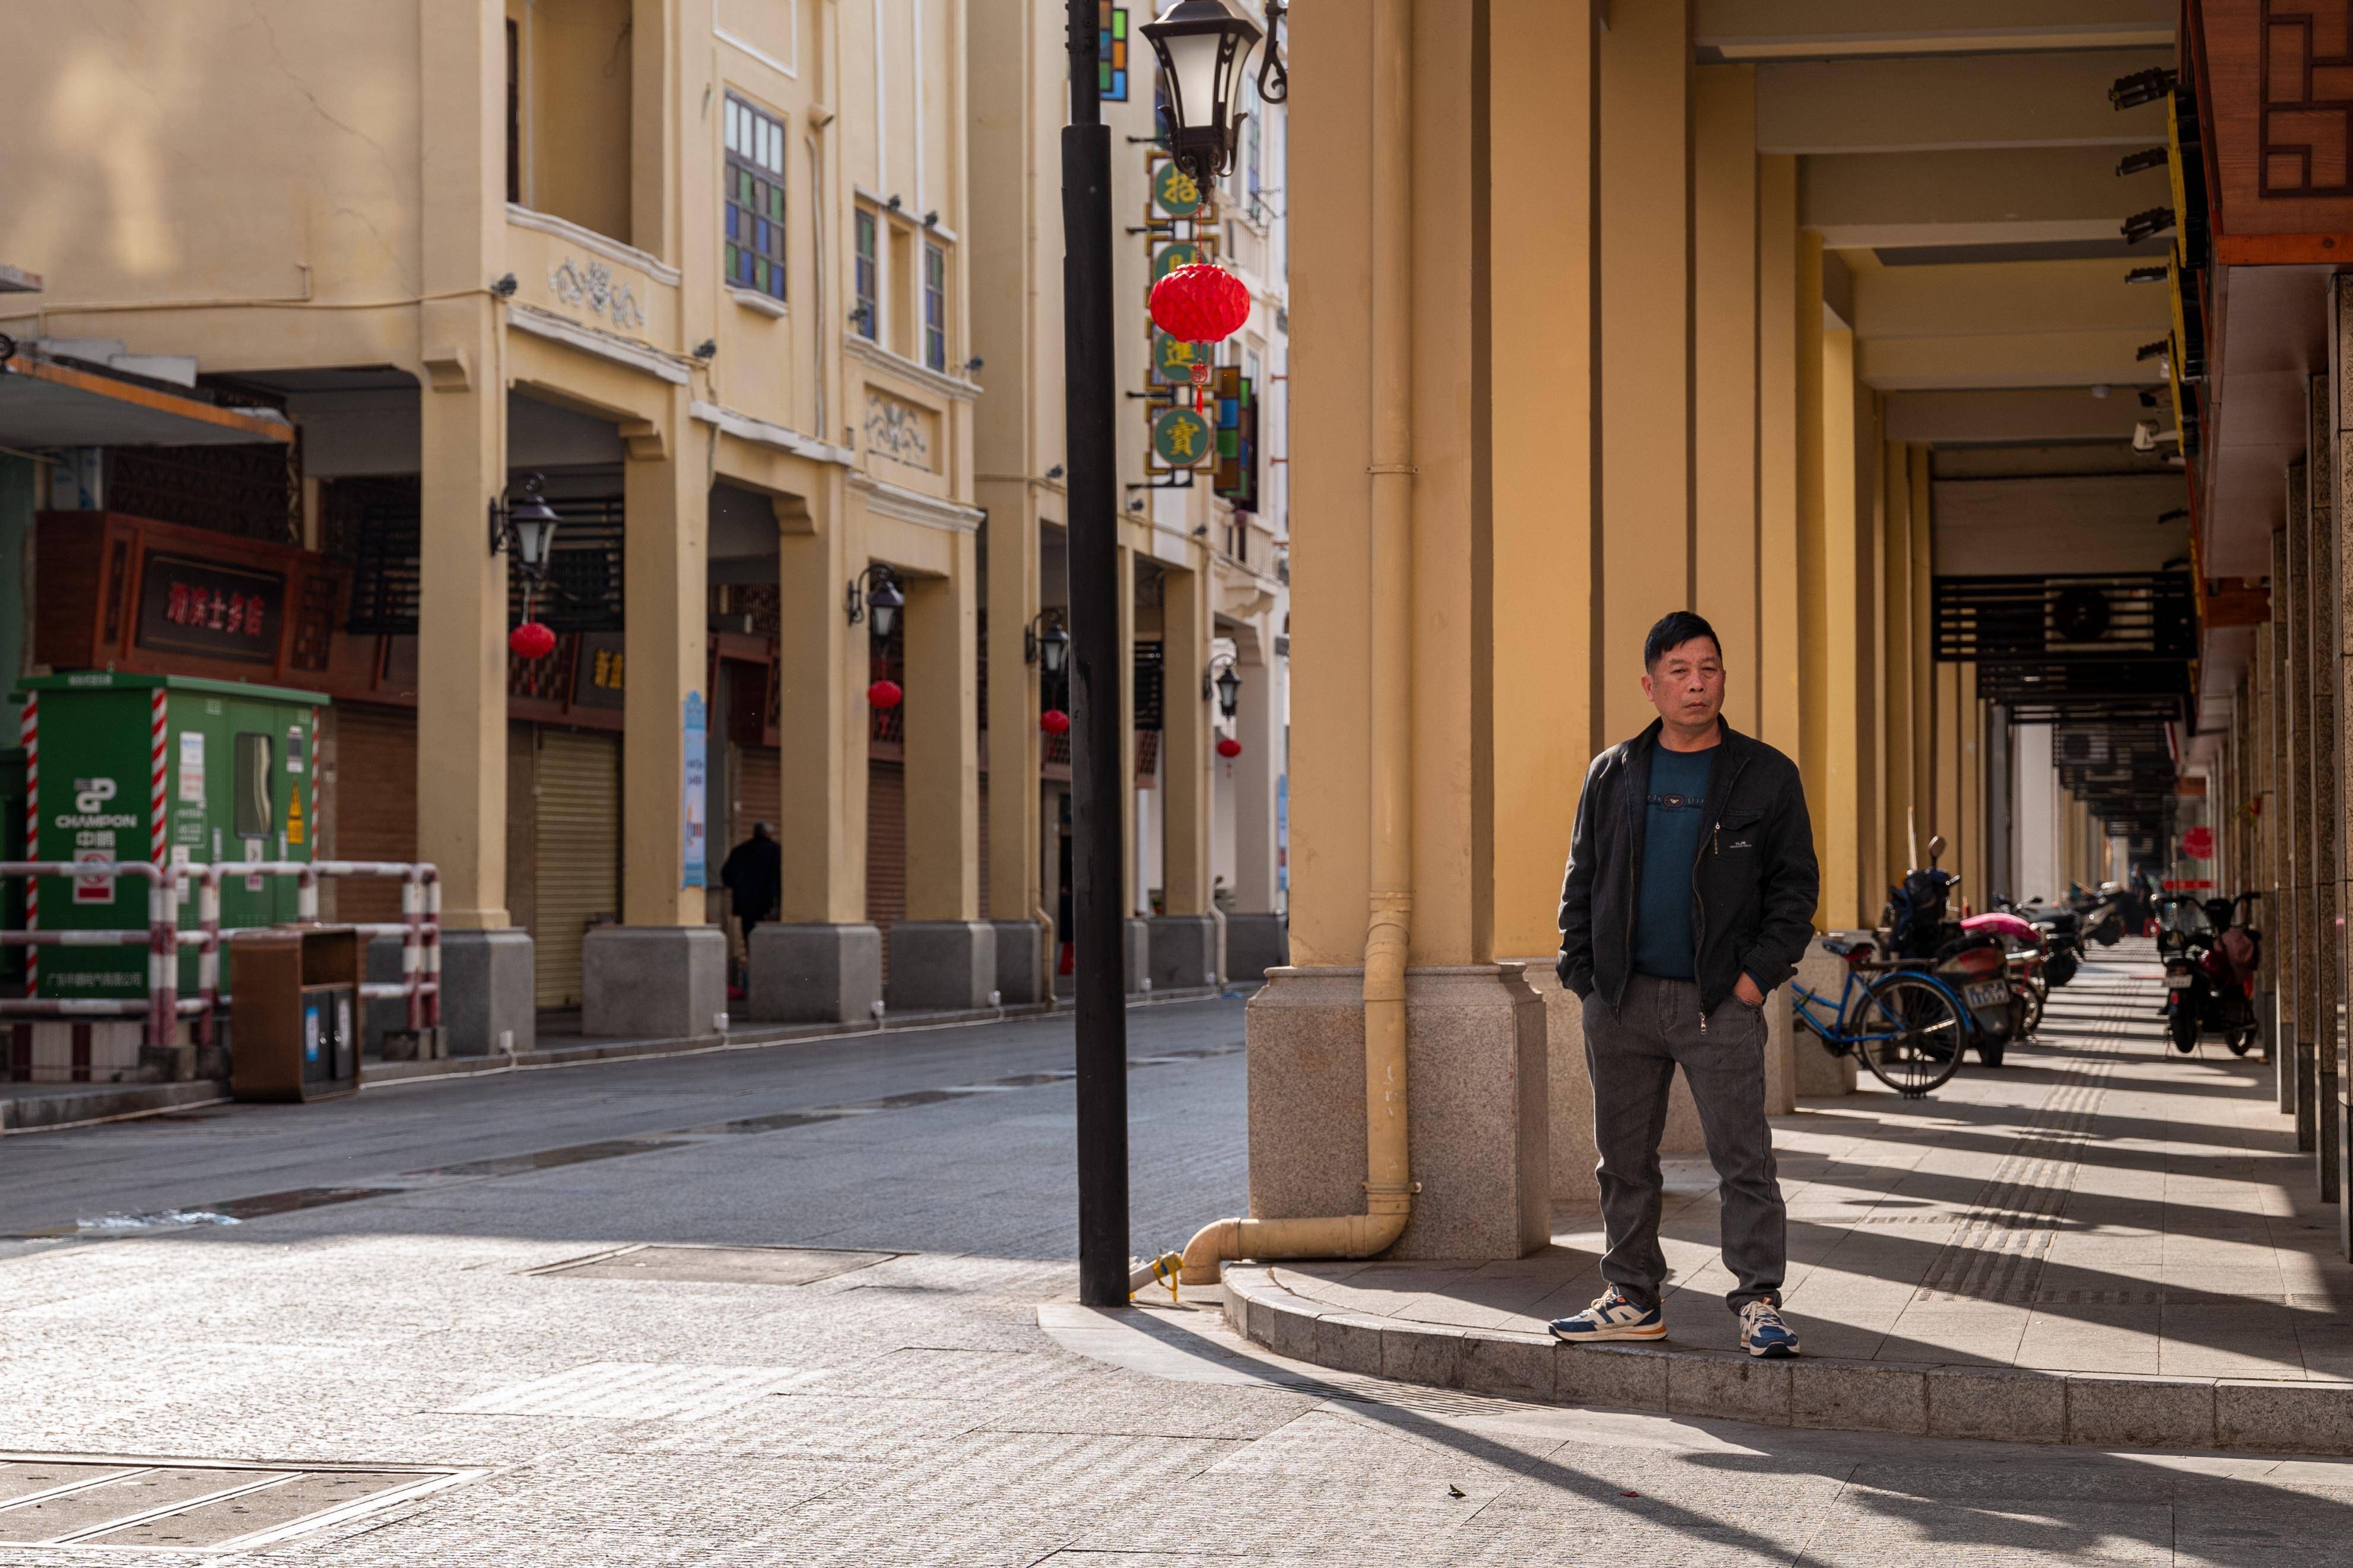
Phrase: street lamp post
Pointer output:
(1090, 401)
(1203, 46)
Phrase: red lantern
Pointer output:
(531, 640)
(1201, 304)
(884, 694)
(1054, 721)
(1229, 748)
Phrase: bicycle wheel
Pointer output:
(1909, 1033)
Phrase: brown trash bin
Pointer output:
(294, 1012)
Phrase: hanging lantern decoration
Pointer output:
(1201, 304)
(1229, 748)
(533, 639)
(1054, 721)
(884, 695)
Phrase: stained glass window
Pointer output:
(1112, 52)
(935, 307)
(868, 311)
(755, 199)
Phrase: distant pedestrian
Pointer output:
(754, 874)
(1691, 884)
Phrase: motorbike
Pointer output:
(1915, 929)
(2024, 954)
(2211, 956)
(2099, 915)
(2062, 943)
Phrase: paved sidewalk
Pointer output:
(2100, 1205)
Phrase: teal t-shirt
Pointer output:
(1673, 825)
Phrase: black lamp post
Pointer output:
(1199, 131)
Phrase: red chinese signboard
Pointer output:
(2197, 843)
(223, 612)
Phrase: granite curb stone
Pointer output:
(2004, 1403)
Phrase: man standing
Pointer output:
(755, 875)
(1690, 895)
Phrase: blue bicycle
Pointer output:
(1905, 1024)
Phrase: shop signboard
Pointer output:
(188, 606)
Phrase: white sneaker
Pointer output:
(1611, 1316)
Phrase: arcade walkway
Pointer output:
(2099, 1206)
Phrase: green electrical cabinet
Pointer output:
(234, 768)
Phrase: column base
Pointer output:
(2268, 1023)
(656, 982)
(1135, 961)
(814, 973)
(1183, 950)
(1816, 1071)
(2307, 1097)
(489, 993)
(1020, 950)
(2331, 1162)
(941, 965)
(1476, 1105)
(1255, 944)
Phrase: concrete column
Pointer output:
(1725, 387)
(1814, 610)
(1014, 894)
(943, 955)
(2283, 913)
(662, 973)
(1897, 818)
(1779, 667)
(1184, 935)
(821, 962)
(2333, 438)
(2303, 786)
(1648, 516)
(1501, 572)
(1255, 939)
(1849, 591)
(2327, 775)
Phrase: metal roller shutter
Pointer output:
(886, 850)
(578, 877)
(759, 793)
(374, 803)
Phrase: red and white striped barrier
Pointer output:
(420, 929)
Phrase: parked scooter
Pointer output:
(2211, 956)
(2100, 915)
(1915, 929)
(2062, 943)
(2024, 953)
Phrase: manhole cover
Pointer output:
(635, 1391)
(721, 1265)
(181, 1504)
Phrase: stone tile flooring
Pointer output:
(2100, 1204)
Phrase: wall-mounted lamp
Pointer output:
(876, 589)
(1228, 685)
(527, 527)
(1045, 644)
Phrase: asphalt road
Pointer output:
(783, 1307)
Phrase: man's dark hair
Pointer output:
(1672, 632)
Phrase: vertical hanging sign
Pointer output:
(697, 731)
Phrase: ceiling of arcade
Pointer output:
(1958, 159)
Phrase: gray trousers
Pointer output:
(1631, 1054)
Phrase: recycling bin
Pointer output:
(294, 1015)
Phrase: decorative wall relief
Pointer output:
(898, 431)
(594, 287)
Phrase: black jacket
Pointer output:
(754, 873)
(1753, 886)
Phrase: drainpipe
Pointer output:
(1389, 1185)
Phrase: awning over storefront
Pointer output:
(44, 404)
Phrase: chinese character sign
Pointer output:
(192, 605)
